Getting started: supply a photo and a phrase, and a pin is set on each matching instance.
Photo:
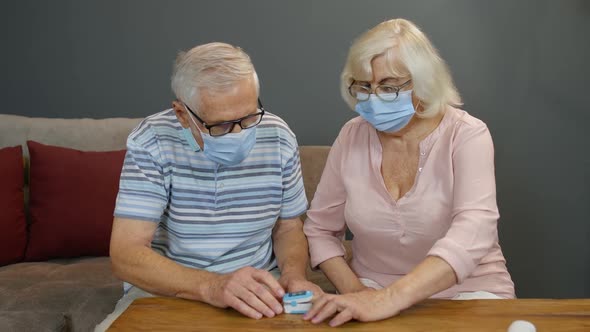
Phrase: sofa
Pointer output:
(46, 292)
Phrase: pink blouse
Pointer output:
(450, 212)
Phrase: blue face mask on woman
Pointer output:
(387, 116)
(229, 149)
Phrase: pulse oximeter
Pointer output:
(298, 302)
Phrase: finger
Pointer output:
(327, 311)
(244, 308)
(267, 279)
(341, 318)
(293, 287)
(318, 304)
(305, 286)
(265, 296)
(253, 301)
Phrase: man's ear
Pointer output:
(181, 113)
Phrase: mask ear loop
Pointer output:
(418, 106)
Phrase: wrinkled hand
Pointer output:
(365, 306)
(250, 291)
(297, 283)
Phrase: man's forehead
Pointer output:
(227, 107)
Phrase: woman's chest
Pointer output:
(398, 170)
(423, 212)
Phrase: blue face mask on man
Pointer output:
(387, 116)
(229, 149)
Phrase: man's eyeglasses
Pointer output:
(226, 127)
(385, 92)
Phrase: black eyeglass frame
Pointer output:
(233, 122)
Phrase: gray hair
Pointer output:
(214, 66)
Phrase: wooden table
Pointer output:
(169, 314)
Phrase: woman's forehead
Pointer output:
(386, 65)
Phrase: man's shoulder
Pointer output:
(274, 122)
(160, 125)
(273, 127)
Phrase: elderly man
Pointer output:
(208, 189)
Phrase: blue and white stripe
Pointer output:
(213, 217)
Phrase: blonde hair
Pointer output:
(214, 66)
(401, 40)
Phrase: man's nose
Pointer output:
(236, 129)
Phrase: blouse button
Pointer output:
(420, 169)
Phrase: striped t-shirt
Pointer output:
(210, 216)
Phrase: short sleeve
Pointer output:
(143, 193)
(294, 201)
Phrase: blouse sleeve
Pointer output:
(325, 225)
(475, 214)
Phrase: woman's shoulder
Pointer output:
(463, 122)
(466, 127)
(460, 117)
(354, 127)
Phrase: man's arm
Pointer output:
(134, 261)
(291, 250)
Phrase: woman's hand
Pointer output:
(365, 306)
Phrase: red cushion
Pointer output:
(72, 199)
(13, 234)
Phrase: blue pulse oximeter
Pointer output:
(298, 302)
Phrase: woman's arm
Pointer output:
(429, 277)
(325, 225)
(474, 226)
(341, 275)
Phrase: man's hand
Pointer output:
(250, 291)
(293, 283)
(365, 306)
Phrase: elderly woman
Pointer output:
(413, 179)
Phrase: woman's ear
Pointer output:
(181, 113)
(418, 107)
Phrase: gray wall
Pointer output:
(521, 66)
